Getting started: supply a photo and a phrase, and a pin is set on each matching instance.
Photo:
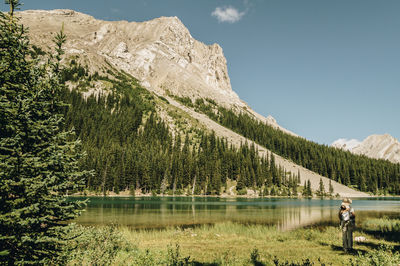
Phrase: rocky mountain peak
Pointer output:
(173, 24)
(346, 144)
(160, 52)
(375, 146)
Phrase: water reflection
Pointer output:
(286, 214)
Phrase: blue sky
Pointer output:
(324, 69)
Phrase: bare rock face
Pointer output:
(346, 144)
(380, 147)
(161, 53)
(375, 146)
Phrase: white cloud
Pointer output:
(228, 14)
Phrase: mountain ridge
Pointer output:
(375, 146)
(160, 52)
(99, 45)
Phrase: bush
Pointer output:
(174, 257)
(382, 256)
(255, 257)
(145, 258)
(95, 245)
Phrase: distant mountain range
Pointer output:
(375, 146)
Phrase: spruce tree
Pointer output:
(38, 160)
(330, 188)
(305, 191)
(309, 191)
(321, 190)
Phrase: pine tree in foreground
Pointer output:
(38, 161)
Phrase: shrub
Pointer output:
(255, 257)
(95, 245)
(174, 257)
(382, 256)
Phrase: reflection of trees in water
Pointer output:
(162, 212)
(303, 216)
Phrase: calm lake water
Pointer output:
(286, 214)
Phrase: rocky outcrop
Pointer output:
(345, 144)
(375, 146)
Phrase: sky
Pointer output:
(323, 69)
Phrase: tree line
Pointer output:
(130, 147)
(358, 171)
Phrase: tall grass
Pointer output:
(222, 244)
(384, 225)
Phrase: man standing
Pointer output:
(347, 223)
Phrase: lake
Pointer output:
(286, 214)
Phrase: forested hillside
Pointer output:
(130, 147)
(366, 174)
(105, 48)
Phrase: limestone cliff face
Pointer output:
(375, 146)
(345, 144)
(380, 147)
(161, 53)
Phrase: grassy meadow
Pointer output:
(233, 244)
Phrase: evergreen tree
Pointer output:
(294, 186)
(361, 183)
(298, 176)
(305, 189)
(330, 188)
(309, 191)
(321, 190)
(273, 191)
(38, 161)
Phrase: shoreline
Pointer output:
(226, 196)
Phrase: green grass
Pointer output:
(225, 244)
(384, 225)
(384, 228)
